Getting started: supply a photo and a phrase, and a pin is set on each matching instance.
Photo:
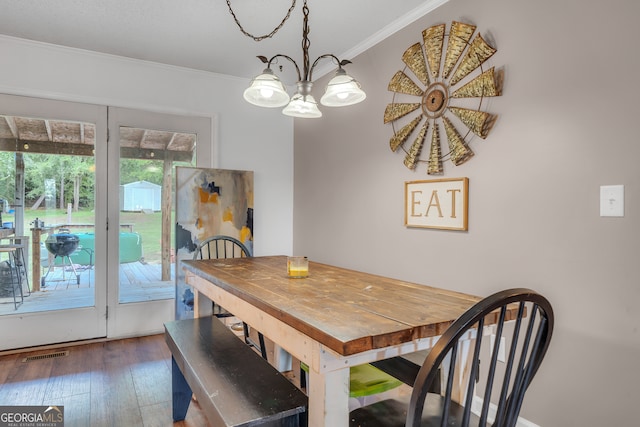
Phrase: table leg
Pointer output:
(35, 258)
(202, 305)
(329, 398)
(181, 392)
(459, 392)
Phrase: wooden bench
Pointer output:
(232, 383)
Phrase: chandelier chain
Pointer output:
(266, 36)
(305, 40)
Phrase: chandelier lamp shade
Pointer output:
(267, 90)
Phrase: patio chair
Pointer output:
(21, 245)
(10, 277)
(524, 318)
(220, 246)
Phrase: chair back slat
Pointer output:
(501, 412)
(492, 368)
(449, 389)
(473, 375)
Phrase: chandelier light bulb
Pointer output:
(266, 90)
(342, 90)
(303, 106)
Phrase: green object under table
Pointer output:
(366, 380)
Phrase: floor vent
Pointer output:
(45, 356)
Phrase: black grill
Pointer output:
(62, 244)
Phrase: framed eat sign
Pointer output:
(437, 203)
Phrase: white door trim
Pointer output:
(141, 318)
(47, 327)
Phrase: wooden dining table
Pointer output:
(331, 320)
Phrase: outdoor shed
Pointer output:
(139, 195)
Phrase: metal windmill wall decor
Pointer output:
(445, 95)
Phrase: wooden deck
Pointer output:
(138, 282)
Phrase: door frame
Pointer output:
(57, 326)
(142, 318)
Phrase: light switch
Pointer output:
(612, 200)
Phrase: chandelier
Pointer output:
(266, 90)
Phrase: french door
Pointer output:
(140, 299)
(48, 140)
(91, 172)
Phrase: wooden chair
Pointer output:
(220, 246)
(524, 318)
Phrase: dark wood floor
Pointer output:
(115, 383)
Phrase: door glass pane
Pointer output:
(147, 204)
(47, 199)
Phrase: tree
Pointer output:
(67, 172)
(7, 175)
(132, 170)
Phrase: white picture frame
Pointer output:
(437, 203)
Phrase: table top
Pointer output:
(346, 310)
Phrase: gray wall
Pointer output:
(567, 124)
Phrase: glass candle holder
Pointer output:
(297, 267)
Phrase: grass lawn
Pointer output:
(147, 225)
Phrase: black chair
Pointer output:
(220, 246)
(21, 245)
(524, 318)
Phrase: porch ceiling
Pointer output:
(30, 135)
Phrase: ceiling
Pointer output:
(31, 135)
(202, 35)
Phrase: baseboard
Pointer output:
(476, 407)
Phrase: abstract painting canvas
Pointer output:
(209, 202)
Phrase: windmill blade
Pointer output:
(403, 134)
(459, 152)
(394, 110)
(433, 38)
(414, 58)
(411, 159)
(435, 154)
(401, 83)
(459, 37)
(483, 85)
(479, 122)
(478, 53)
